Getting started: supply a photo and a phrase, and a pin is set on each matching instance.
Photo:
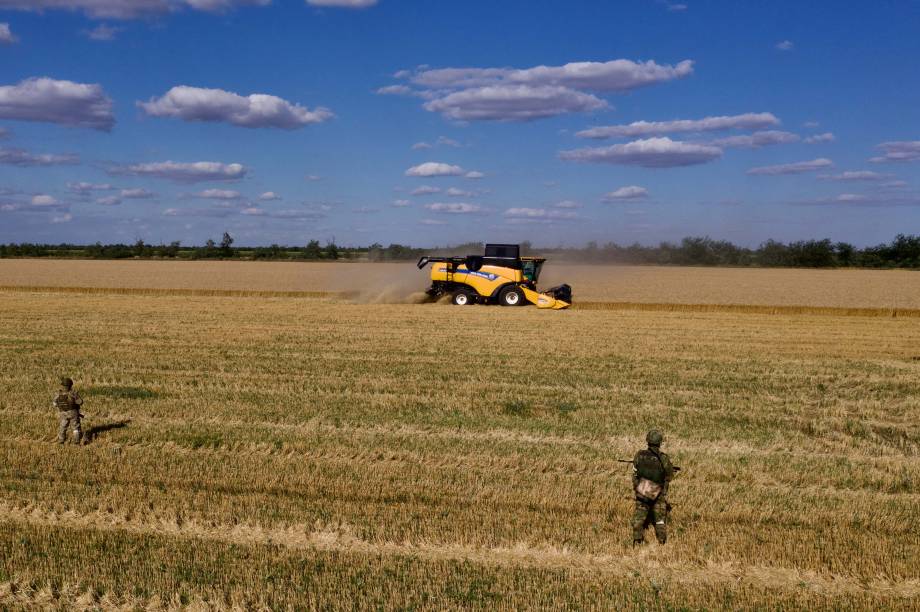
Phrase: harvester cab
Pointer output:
(500, 276)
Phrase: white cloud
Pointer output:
(819, 138)
(108, 201)
(758, 139)
(128, 9)
(102, 32)
(509, 94)
(454, 208)
(6, 35)
(420, 145)
(448, 142)
(851, 197)
(431, 169)
(453, 192)
(289, 214)
(218, 194)
(400, 203)
(136, 194)
(65, 218)
(870, 200)
(567, 204)
(746, 121)
(197, 212)
(351, 4)
(4, 133)
(794, 168)
(898, 151)
(217, 105)
(268, 196)
(20, 157)
(474, 174)
(312, 177)
(854, 175)
(811, 124)
(366, 210)
(433, 222)
(395, 90)
(632, 192)
(649, 153)
(44, 200)
(83, 187)
(184, 172)
(785, 45)
(614, 75)
(425, 190)
(894, 184)
(513, 103)
(62, 102)
(539, 215)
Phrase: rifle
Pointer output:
(676, 468)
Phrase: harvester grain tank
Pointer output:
(500, 276)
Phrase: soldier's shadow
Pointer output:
(91, 433)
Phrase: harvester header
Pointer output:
(499, 276)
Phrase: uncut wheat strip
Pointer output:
(358, 298)
(338, 538)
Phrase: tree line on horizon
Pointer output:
(902, 252)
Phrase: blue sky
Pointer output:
(441, 122)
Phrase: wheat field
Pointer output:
(886, 289)
(309, 452)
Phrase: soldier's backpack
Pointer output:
(64, 401)
(650, 472)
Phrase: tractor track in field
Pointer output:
(352, 296)
(647, 562)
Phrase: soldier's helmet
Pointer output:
(67, 383)
(654, 438)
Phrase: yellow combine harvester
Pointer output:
(501, 276)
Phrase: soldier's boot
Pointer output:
(638, 533)
(661, 532)
(77, 437)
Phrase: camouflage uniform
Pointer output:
(68, 402)
(654, 465)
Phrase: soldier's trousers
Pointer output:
(69, 419)
(656, 513)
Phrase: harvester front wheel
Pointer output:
(511, 296)
(462, 298)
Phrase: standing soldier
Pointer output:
(652, 473)
(68, 402)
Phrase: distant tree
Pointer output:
(226, 242)
(313, 250)
(773, 254)
(845, 253)
(332, 251)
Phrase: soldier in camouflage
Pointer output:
(68, 402)
(652, 473)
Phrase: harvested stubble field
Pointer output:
(304, 452)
